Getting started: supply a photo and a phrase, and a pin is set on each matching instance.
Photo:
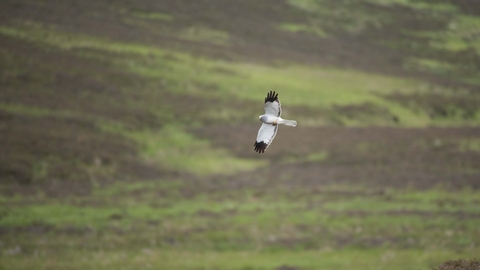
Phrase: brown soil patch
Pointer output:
(380, 157)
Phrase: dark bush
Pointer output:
(459, 265)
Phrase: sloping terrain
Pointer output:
(132, 123)
(145, 65)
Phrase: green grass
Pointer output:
(171, 148)
(203, 212)
(470, 145)
(323, 86)
(461, 35)
(293, 27)
(416, 4)
(151, 258)
(205, 34)
(313, 86)
(152, 15)
(157, 223)
(435, 53)
(29, 111)
(175, 149)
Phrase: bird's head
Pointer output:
(262, 118)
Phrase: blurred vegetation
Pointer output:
(459, 264)
(127, 132)
(217, 225)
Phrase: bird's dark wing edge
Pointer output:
(260, 147)
(271, 96)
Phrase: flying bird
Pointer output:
(270, 121)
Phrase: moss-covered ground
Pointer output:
(127, 130)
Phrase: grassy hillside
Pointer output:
(127, 134)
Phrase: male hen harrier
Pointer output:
(271, 119)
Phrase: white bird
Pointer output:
(271, 119)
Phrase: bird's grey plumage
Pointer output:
(270, 121)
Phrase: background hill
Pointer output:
(127, 133)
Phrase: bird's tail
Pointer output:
(290, 123)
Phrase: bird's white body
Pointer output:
(276, 120)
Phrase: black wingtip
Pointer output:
(260, 147)
(271, 96)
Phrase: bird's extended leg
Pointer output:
(274, 123)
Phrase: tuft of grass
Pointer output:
(312, 157)
(434, 66)
(422, 5)
(57, 215)
(152, 15)
(205, 34)
(317, 157)
(470, 145)
(293, 27)
(27, 110)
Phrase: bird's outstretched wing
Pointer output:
(265, 136)
(272, 104)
